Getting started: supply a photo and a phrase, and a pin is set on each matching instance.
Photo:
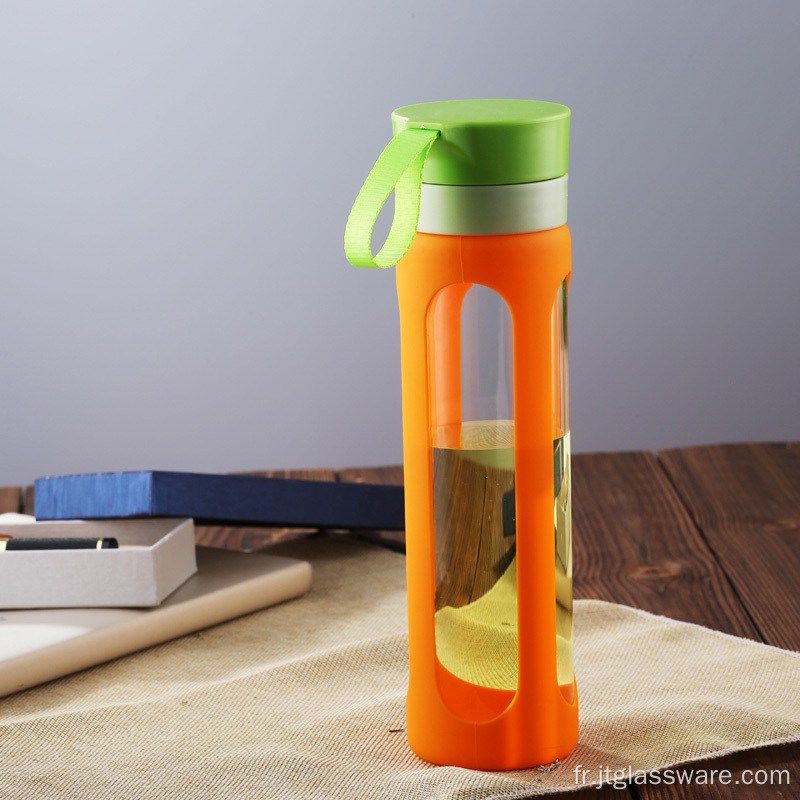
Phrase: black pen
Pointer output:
(67, 543)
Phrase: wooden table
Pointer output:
(709, 535)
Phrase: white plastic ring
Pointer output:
(493, 210)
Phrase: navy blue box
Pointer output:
(220, 498)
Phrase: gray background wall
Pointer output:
(175, 178)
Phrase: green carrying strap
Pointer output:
(398, 168)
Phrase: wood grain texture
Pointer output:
(297, 474)
(734, 496)
(247, 540)
(635, 543)
(388, 475)
(10, 500)
(745, 498)
(459, 501)
(250, 539)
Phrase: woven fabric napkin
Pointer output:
(306, 700)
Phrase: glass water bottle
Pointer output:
(483, 273)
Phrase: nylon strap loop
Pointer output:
(398, 169)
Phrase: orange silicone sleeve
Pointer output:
(450, 721)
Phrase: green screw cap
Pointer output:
(491, 142)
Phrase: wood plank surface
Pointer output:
(745, 499)
(10, 499)
(634, 543)
(250, 539)
(391, 475)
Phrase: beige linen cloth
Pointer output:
(306, 700)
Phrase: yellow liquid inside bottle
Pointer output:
(476, 574)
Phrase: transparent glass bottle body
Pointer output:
(471, 365)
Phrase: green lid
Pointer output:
(485, 142)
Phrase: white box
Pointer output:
(154, 558)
